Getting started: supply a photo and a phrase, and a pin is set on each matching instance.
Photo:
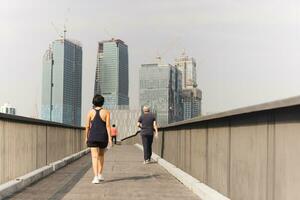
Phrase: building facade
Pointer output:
(187, 66)
(125, 121)
(191, 99)
(160, 88)
(191, 95)
(8, 109)
(62, 82)
(111, 80)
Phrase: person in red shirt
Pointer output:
(114, 133)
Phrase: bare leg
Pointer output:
(95, 158)
(100, 161)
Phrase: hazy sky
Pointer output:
(247, 52)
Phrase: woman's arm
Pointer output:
(107, 120)
(87, 126)
(155, 128)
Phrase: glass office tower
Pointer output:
(111, 78)
(160, 88)
(187, 66)
(192, 96)
(62, 82)
(191, 99)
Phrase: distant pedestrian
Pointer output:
(98, 135)
(148, 125)
(114, 133)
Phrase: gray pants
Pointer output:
(147, 144)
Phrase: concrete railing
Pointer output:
(251, 153)
(28, 144)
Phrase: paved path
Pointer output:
(126, 177)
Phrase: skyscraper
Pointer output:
(160, 88)
(187, 66)
(62, 82)
(191, 99)
(191, 95)
(111, 78)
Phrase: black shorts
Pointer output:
(101, 145)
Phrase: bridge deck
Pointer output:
(126, 178)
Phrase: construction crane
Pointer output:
(62, 34)
(160, 55)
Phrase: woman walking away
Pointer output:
(98, 135)
(114, 133)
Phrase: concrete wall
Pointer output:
(27, 144)
(247, 154)
(126, 121)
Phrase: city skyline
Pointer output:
(201, 99)
(247, 53)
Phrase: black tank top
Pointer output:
(98, 131)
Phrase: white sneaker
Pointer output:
(100, 177)
(95, 180)
(146, 162)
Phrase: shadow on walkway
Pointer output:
(133, 178)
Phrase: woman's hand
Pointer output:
(156, 135)
(110, 142)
